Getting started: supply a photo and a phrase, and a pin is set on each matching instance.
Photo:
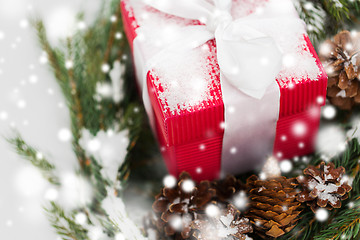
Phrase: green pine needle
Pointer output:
(35, 157)
(64, 225)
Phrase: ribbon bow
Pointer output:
(242, 49)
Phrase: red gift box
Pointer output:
(192, 141)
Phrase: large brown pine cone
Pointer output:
(323, 186)
(273, 209)
(176, 208)
(341, 61)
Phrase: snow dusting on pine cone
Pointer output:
(226, 225)
(323, 186)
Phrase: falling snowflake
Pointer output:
(331, 140)
(169, 181)
(329, 112)
(321, 214)
(286, 166)
(188, 185)
(64, 135)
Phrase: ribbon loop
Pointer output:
(241, 48)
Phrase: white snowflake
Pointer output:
(241, 200)
(169, 181)
(330, 140)
(321, 214)
(64, 135)
(329, 112)
(187, 185)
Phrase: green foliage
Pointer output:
(345, 225)
(89, 50)
(344, 221)
(325, 18)
(65, 225)
(35, 157)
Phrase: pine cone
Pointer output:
(227, 188)
(273, 209)
(227, 224)
(341, 60)
(176, 204)
(323, 186)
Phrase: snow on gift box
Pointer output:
(225, 83)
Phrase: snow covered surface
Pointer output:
(187, 81)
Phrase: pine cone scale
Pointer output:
(343, 81)
(273, 205)
(275, 232)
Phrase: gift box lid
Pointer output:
(184, 117)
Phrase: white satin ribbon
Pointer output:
(249, 61)
(242, 50)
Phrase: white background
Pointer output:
(31, 102)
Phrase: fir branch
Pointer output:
(35, 158)
(308, 227)
(64, 225)
(64, 78)
(336, 8)
(346, 225)
(55, 57)
(99, 183)
(114, 27)
(325, 18)
(314, 16)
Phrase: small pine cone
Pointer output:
(341, 59)
(227, 188)
(323, 186)
(273, 209)
(177, 207)
(228, 225)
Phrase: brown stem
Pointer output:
(76, 108)
(112, 35)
